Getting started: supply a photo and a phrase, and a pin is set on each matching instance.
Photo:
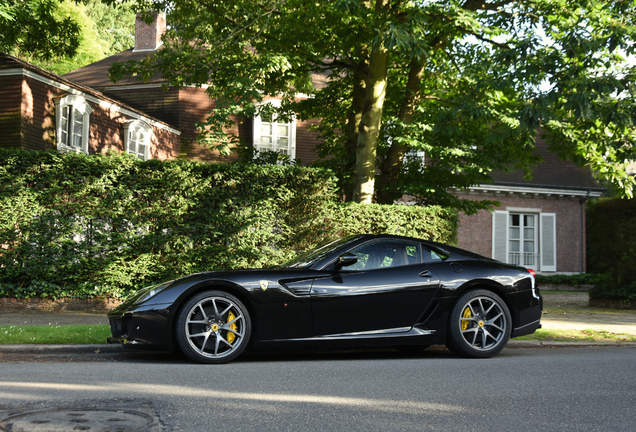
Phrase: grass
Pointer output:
(578, 336)
(562, 310)
(54, 334)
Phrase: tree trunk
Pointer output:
(391, 166)
(369, 130)
(353, 126)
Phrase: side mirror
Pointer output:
(346, 259)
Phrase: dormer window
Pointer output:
(137, 138)
(72, 114)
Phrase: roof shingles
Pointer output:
(553, 172)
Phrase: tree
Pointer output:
(471, 83)
(31, 29)
(104, 30)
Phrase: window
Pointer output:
(385, 254)
(72, 114)
(272, 135)
(431, 255)
(522, 239)
(525, 239)
(418, 155)
(137, 138)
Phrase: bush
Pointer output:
(611, 247)
(577, 279)
(605, 289)
(80, 226)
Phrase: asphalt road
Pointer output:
(537, 389)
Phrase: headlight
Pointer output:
(152, 291)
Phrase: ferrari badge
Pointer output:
(264, 284)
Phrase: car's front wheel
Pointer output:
(479, 325)
(213, 327)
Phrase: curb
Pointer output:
(118, 349)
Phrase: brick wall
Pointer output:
(475, 232)
(107, 133)
(148, 36)
(69, 304)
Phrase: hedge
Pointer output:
(611, 247)
(575, 279)
(87, 226)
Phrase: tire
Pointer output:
(479, 325)
(213, 327)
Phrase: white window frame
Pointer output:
(256, 132)
(523, 257)
(73, 103)
(139, 129)
(545, 233)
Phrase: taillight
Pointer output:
(534, 281)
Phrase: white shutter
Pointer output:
(547, 242)
(292, 138)
(256, 132)
(500, 235)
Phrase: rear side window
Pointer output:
(431, 255)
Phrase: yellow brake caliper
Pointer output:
(466, 314)
(231, 336)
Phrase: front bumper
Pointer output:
(147, 328)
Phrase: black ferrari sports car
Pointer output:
(360, 290)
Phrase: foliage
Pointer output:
(105, 30)
(250, 155)
(607, 289)
(612, 251)
(104, 225)
(432, 223)
(576, 279)
(33, 29)
(470, 83)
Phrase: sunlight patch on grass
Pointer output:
(54, 334)
(578, 336)
(573, 309)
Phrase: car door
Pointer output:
(387, 289)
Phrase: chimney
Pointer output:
(148, 36)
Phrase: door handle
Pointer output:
(425, 273)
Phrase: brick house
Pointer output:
(540, 224)
(183, 107)
(43, 111)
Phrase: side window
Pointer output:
(430, 255)
(413, 254)
(382, 254)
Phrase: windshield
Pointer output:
(310, 258)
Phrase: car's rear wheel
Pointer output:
(479, 325)
(213, 327)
